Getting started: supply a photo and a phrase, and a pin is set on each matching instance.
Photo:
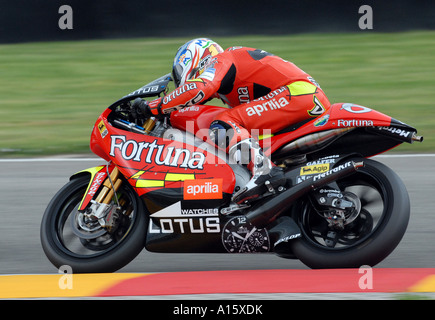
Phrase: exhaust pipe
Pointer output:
(416, 138)
(265, 213)
(311, 142)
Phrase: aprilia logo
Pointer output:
(272, 104)
(202, 189)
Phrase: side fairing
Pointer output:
(153, 163)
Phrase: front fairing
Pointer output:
(152, 163)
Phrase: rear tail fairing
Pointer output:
(344, 128)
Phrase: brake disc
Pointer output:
(86, 228)
(352, 213)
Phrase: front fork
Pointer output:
(110, 186)
(97, 201)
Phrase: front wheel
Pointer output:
(371, 237)
(68, 238)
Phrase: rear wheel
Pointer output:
(376, 231)
(68, 237)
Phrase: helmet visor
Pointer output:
(181, 61)
(177, 71)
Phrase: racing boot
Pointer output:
(265, 175)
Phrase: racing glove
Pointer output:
(141, 108)
(145, 109)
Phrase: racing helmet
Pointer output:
(192, 58)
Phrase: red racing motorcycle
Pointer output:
(166, 188)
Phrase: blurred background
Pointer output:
(55, 82)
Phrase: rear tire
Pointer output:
(371, 237)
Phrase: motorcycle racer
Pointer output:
(262, 90)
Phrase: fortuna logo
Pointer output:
(144, 151)
(186, 87)
(354, 123)
(266, 106)
(202, 189)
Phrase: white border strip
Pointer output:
(67, 159)
(417, 155)
(52, 160)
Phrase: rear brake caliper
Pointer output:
(339, 208)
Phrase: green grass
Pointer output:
(52, 93)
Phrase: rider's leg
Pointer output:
(244, 149)
(265, 175)
(296, 102)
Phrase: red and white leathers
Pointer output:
(264, 92)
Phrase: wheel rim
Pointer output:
(374, 209)
(84, 239)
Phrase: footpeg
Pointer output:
(233, 208)
(269, 187)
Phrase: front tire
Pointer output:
(369, 239)
(92, 248)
